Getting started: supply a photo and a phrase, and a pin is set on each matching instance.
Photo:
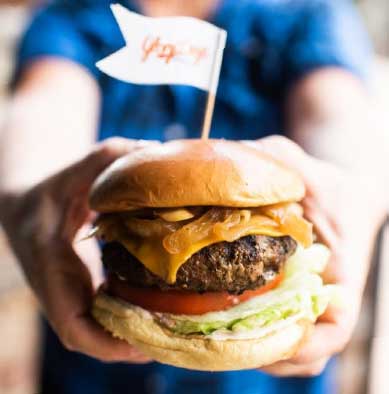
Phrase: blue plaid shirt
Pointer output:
(271, 45)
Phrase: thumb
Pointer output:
(281, 148)
(294, 157)
(287, 152)
(82, 174)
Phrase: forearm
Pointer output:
(50, 122)
(330, 115)
(333, 116)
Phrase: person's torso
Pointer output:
(251, 90)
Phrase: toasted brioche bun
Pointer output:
(195, 173)
(138, 328)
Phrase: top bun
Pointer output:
(195, 173)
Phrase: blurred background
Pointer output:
(359, 371)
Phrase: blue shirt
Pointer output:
(271, 45)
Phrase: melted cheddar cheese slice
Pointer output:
(151, 252)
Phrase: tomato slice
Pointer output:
(181, 302)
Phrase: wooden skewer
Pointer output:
(214, 80)
(208, 116)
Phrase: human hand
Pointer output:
(346, 210)
(42, 224)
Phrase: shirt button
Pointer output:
(175, 131)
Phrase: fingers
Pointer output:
(281, 148)
(85, 335)
(113, 148)
(286, 368)
(68, 289)
(329, 337)
(42, 226)
(75, 214)
(90, 254)
(325, 228)
(66, 293)
(330, 205)
(69, 189)
(310, 169)
(67, 297)
(291, 155)
(82, 174)
(326, 340)
(64, 287)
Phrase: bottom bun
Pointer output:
(138, 328)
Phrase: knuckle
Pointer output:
(314, 369)
(66, 337)
(280, 140)
(312, 372)
(113, 145)
(283, 146)
(301, 359)
(343, 336)
(109, 145)
(104, 359)
(107, 358)
(29, 222)
(102, 150)
(67, 341)
(342, 342)
(109, 150)
(285, 143)
(68, 344)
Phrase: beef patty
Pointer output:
(247, 263)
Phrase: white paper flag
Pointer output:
(168, 50)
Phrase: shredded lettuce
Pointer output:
(301, 293)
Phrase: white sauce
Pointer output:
(223, 334)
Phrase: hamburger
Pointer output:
(210, 263)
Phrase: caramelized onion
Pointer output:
(228, 224)
(245, 215)
(150, 228)
(280, 212)
(291, 221)
(254, 224)
(233, 218)
(193, 232)
(175, 215)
